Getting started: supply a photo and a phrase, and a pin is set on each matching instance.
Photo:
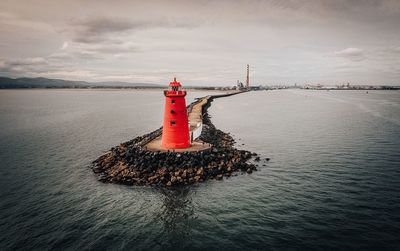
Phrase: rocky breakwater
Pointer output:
(131, 164)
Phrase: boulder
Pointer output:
(184, 174)
(200, 171)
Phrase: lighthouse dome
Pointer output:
(175, 84)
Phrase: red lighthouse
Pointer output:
(176, 126)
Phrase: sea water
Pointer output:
(333, 181)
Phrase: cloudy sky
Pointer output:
(202, 42)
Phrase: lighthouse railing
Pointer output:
(175, 93)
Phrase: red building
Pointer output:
(176, 125)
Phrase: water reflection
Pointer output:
(177, 214)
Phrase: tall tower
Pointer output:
(247, 78)
(176, 125)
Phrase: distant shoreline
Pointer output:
(47, 83)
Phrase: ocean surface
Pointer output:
(333, 181)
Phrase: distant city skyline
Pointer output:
(203, 42)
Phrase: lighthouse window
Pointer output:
(172, 111)
(173, 101)
(173, 123)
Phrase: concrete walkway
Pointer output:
(195, 117)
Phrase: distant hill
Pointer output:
(16, 83)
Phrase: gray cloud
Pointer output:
(93, 30)
(113, 48)
(98, 29)
(392, 52)
(105, 24)
(356, 54)
(27, 61)
(23, 65)
(74, 55)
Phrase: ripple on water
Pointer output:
(332, 182)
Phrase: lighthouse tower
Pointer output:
(176, 126)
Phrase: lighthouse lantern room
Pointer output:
(176, 126)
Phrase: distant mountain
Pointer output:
(11, 83)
